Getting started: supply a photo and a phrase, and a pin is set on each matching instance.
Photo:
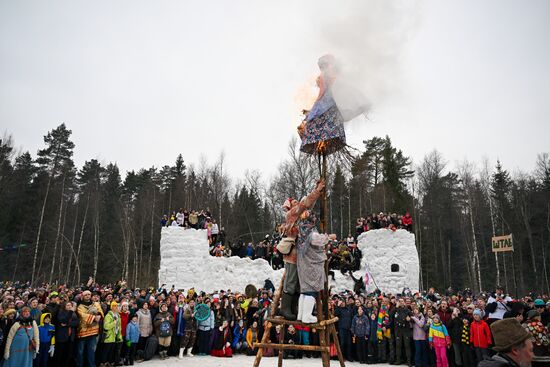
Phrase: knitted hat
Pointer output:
(508, 332)
(477, 311)
(114, 305)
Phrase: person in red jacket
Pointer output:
(480, 337)
(445, 313)
(407, 222)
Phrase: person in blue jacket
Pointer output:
(131, 339)
(239, 338)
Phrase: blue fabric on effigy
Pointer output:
(321, 106)
(326, 126)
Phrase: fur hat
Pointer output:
(508, 332)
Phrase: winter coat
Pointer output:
(67, 322)
(132, 332)
(36, 314)
(112, 328)
(455, 329)
(239, 335)
(160, 318)
(145, 323)
(124, 319)
(87, 311)
(360, 326)
(207, 324)
(400, 318)
(190, 321)
(251, 338)
(34, 334)
(344, 315)
(418, 327)
(480, 334)
(498, 360)
(445, 316)
(52, 308)
(46, 332)
(438, 335)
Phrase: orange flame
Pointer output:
(321, 147)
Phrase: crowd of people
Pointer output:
(391, 221)
(113, 325)
(198, 220)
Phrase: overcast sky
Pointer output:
(139, 82)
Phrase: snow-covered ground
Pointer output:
(243, 361)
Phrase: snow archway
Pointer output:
(391, 259)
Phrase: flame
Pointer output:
(321, 147)
(306, 94)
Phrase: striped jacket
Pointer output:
(438, 335)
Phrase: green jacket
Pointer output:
(112, 328)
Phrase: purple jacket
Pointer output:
(418, 327)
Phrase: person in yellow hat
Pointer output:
(112, 330)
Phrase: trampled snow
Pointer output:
(186, 262)
(242, 361)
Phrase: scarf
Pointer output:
(383, 321)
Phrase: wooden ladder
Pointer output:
(324, 326)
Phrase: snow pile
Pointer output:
(186, 262)
(382, 250)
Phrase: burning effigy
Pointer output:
(322, 130)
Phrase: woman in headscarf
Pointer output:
(22, 341)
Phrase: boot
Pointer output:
(308, 304)
(294, 304)
(181, 353)
(300, 307)
(286, 307)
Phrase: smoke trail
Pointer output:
(368, 39)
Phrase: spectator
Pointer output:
(112, 328)
(89, 314)
(480, 337)
(163, 322)
(131, 340)
(22, 341)
(65, 331)
(439, 341)
(360, 330)
(512, 343)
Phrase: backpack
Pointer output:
(165, 329)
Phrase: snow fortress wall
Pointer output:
(186, 262)
(391, 258)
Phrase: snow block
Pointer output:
(186, 262)
(391, 258)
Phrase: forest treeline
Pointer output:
(62, 223)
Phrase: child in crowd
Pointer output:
(439, 341)
(131, 340)
(47, 340)
(480, 337)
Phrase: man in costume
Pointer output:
(310, 246)
(294, 210)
